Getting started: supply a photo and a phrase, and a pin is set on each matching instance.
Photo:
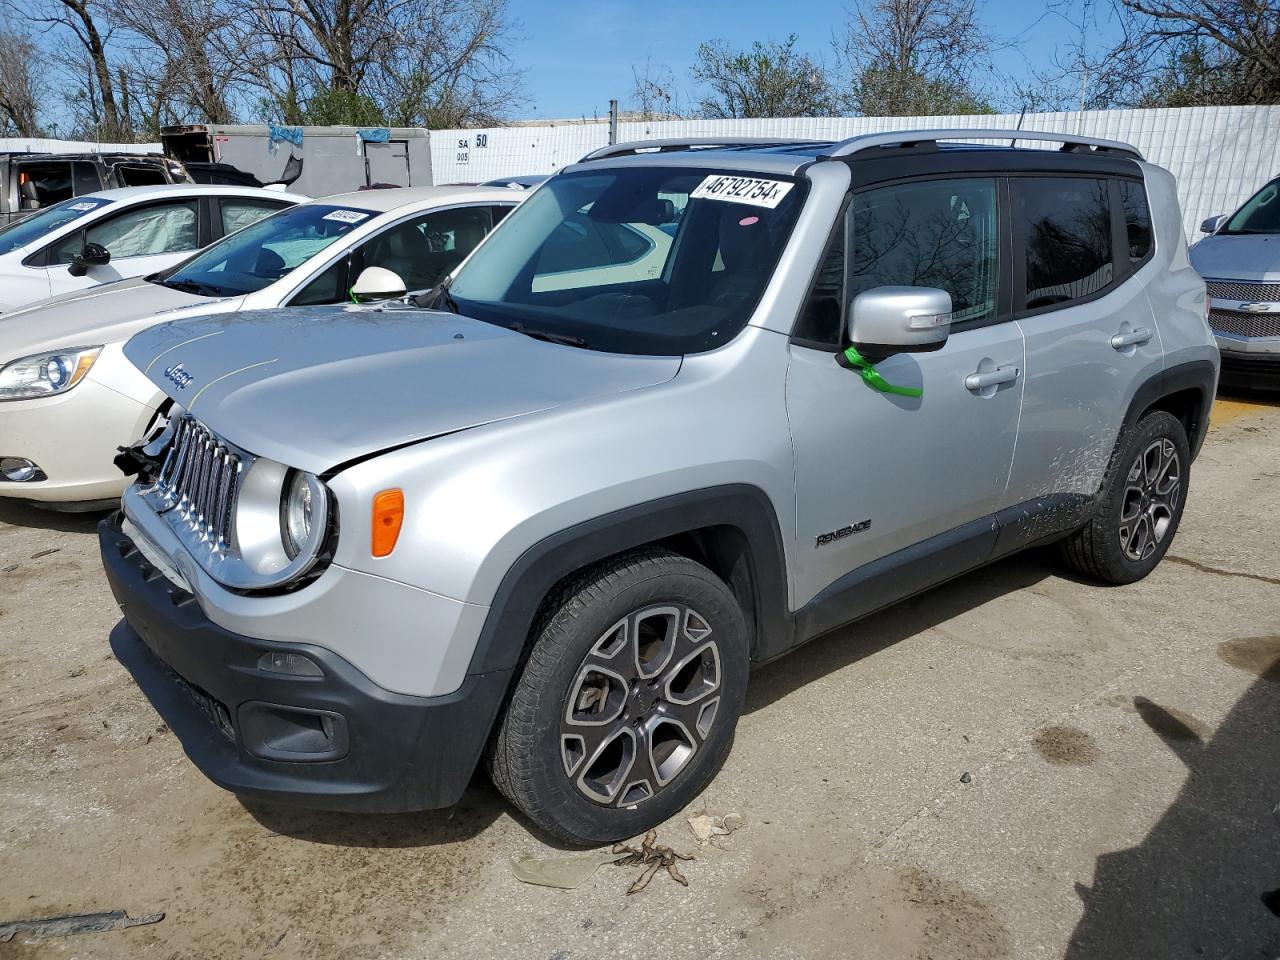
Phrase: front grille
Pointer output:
(200, 479)
(1244, 291)
(1245, 324)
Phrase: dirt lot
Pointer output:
(1122, 797)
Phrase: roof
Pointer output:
(180, 190)
(395, 197)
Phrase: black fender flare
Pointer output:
(1192, 375)
(744, 507)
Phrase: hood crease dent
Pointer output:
(316, 387)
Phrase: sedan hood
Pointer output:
(100, 315)
(316, 387)
(1238, 257)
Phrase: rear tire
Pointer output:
(1140, 503)
(627, 704)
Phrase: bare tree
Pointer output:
(86, 60)
(20, 87)
(767, 80)
(654, 91)
(914, 57)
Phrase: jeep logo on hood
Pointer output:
(178, 374)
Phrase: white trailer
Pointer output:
(334, 159)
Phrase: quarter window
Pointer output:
(1064, 226)
(1137, 219)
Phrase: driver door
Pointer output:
(141, 240)
(898, 492)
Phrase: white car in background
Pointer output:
(116, 234)
(69, 398)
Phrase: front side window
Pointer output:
(1064, 227)
(148, 231)
(44, 183)
(264, 252)
(939, 234)
(27, 231)
(422, 251)
(655, 260)
(1260, 214)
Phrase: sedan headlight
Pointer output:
(46, 374)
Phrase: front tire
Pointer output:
(628, 701)
(1140, 503)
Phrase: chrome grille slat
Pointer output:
(1244, 291)
(1245, 324)
(201, 478)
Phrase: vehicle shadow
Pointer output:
(869, 636)
(20, 514)
(1205, 882)
(479, 807)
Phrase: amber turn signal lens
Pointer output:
(388, 516)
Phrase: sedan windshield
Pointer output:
(32, 228)
(1261, 214)
(637, 259)
(258, 255)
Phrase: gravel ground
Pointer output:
(1018, 764)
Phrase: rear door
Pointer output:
(877, 473)
(1090, 334)
(388, 162)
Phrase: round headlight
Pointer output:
(297, 510)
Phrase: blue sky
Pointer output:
(579, 54)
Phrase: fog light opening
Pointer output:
(20, 470)
(293, 664)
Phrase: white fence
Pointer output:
(43, 145)
(1220, 155)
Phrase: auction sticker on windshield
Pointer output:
(346, 216)
(85, 205)
(749, 190)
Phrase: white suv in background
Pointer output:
(116, 234)
(69, 398)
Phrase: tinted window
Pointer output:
(1137, 219)
(1065, 228)
(329, 287)
(86, 178)
(498, 213)
(27, 231)
(940, 234)
(1260, 214)
(140, 176)
(820, 319)
(140, 232)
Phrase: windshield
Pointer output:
(260, 254)
(1261, 214)
(32, 228)
(633, 260)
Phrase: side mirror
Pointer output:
(93, 255)
(378, 283)
(1213, 224)
(888, 320)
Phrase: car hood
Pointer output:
(317, 387)
(1238, 257)
(107, 314)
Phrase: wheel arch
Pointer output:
(1186, 391)
(731, 529)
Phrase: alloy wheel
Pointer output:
(641, 705)
(1152, 491)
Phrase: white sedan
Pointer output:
(114, 234)
(69, 398)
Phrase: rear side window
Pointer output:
(85, 177)
(237, 214)
(1064, 227)
(1137, 219)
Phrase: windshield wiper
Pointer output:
(432, 299)
(550, 336)
(191, 286)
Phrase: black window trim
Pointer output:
(1012, 254)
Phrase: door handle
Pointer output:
(981, 381)
(1134, 338)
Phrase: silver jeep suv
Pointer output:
(690, 406)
